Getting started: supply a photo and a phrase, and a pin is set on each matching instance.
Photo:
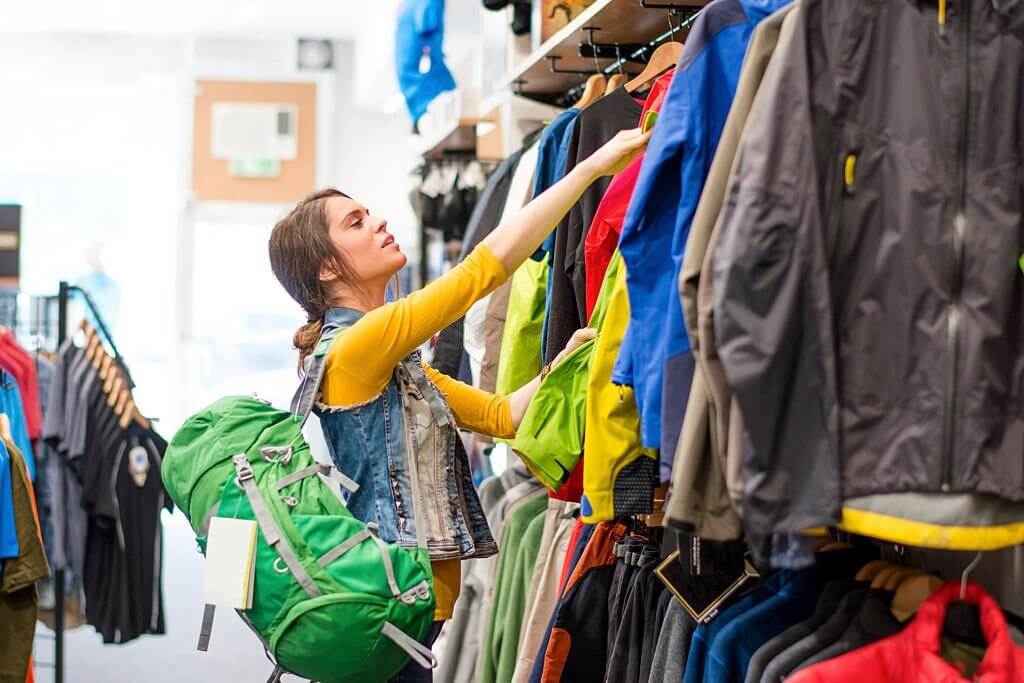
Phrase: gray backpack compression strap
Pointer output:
(207, 628)
(268, 526)
(418, 652)
(313, 374)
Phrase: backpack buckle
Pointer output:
(281, 454)
(243, 468)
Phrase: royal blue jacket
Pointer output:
(661, 210)
(419, 34)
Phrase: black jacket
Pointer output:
(869, 307)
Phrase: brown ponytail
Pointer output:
(300, 246)
(306, 337)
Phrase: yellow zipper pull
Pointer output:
(850, 170)
(942, 17)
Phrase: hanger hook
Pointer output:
(963, 577)
(593, 48)
(618, 59)
(671, 26)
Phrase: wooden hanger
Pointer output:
(108, 383)
(139, 418)
(897, 577)
(870, 570)
(882, 577)
(593, 91)
(664, 58)
(911, 592)
(105, 364)
(123, 397)
(5, 427)
(115, 392)
(614, 83)
(834, 545)
(131, 413)
(92, 345)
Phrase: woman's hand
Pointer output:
(575, 341)
(519, 400)
(515, 239)
(618, 153)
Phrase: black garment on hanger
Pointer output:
(567, 308)
(486, 213)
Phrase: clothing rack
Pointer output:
(64, 293)
(39, 328)
(625, 54)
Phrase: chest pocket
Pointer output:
(427, 406)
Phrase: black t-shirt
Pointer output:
(124, 552)
(596, 125)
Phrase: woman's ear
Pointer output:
(327, 274)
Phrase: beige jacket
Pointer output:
(707, 484)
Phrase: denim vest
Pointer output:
(404, 443)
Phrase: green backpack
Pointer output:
(331, 600)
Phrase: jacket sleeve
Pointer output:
(773, 305)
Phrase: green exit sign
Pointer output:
(254, 168)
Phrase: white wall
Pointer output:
(95, 140)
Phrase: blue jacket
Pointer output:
(12, 405)
(661, 210)
(554, 153)
(420, 32)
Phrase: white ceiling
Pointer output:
(339, 19)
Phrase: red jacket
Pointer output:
(912, 656)
(603, 236)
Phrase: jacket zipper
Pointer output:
(959, 228)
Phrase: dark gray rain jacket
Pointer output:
(869, 305)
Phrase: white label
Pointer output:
(138, 465)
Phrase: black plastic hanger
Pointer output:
(963, 619)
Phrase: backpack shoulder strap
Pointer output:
(313, 374)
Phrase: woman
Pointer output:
(387, 419)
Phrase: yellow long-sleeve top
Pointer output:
(362, 359)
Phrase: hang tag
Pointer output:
(1020, 262)
(230, 563)
(702, 595)
(138, 465)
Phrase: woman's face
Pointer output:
(364, 241)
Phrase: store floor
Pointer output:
(235, 653)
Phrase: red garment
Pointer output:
(21, 366)
(603, 236)
(572, 490)
(912, 656)
(574, 539)
(599, 245)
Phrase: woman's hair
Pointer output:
(300, 247)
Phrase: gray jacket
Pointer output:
(868, 302)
